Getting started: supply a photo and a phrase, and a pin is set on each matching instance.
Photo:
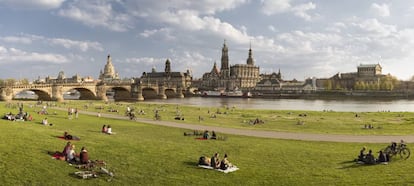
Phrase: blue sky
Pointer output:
(301, 38)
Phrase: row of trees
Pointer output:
(385, 83)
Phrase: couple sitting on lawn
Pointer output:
(214, 162)
(72, 157)
(107, 129)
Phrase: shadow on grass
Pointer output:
(191, 163)
(350, 164)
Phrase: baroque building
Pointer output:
(367, 77)
(239, 76)
(109, 73)
(168, 79)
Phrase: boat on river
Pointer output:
(230, 94)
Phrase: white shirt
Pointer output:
(71, 154)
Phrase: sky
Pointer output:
(302, 38)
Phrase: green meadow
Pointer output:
(145, 154)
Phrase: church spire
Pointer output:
(225, 60)
(167, 66)
(250, 60)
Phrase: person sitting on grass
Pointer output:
(213, 135)
(71, 155)
(66, 149)
(83, 156)
(215, 162)
(225, 164)
(44, 121)
(382, 157)
(109, 130)
(362, 155)
(205, 134)
(369, 158)
(104, 129)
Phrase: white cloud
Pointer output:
(163, 33)
(66, 43)
(302, 10)
(14, 39)
(32, 4)
(145, 61)
(81, 45)
(12, 55)
(374, 27)
(382, 10)
(271, 7)
(97, 13)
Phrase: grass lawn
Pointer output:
(143, 154)
(384, 123)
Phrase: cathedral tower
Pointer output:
(250, 60)
(167, 66)
(225, 70)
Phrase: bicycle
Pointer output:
(398, 149)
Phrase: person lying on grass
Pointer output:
(67, 136)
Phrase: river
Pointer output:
(297, 104)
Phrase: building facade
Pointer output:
(235, 77)
(168, 79)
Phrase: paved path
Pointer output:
(268, 134)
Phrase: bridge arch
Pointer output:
(41, 94)
(170, 93)
(119, 93)
(84, 93)
(149, 93)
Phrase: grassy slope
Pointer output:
(152, 155)
(391, 123)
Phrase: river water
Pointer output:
(297, 104)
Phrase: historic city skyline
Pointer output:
(302, 38)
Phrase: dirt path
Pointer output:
(268, 134)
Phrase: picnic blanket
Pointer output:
(57, 155)
(230, 169)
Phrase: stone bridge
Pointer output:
(123, 91)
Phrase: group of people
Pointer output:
(215, 162)
(368, 158)
(19, 117)
(206, 135)
(107, 129)
(71, 156)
